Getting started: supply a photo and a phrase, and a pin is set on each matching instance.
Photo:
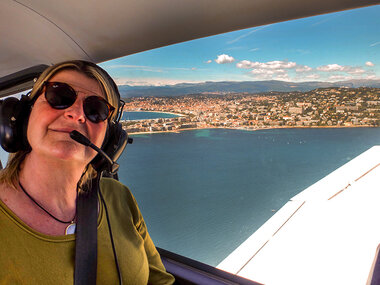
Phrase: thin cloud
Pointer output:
(327, 19)
(246, 64)
(369, 63)
(276, 64)
(320, 22)
(330, 67)
(303, 68)
(354, 70)
(246, 35)
(270, 75)
(209, 61)
(224, 58)
(268, 71)
(336, 67)
(339, 77)
(254, 49)
(312, 76)
(374, 44)
(276, 69)
(178, 68)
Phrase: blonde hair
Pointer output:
(11, 173)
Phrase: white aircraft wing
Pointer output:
(327, 234)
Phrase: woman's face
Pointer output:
(49, 129)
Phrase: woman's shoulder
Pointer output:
(111, 183)
(111, 187)
(9, 196)
(116, 193)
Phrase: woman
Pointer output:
(39, 187)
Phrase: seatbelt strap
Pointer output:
(86, 245)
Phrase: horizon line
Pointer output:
(236, 81)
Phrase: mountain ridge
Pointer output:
(224, 87)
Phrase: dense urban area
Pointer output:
(323, 107)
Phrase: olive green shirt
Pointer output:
(29, 257)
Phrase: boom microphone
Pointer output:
(78, 137)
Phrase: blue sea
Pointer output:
(204, 192)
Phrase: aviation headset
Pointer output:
(14, 117)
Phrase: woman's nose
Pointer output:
(75, 111)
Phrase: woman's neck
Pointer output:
(52, 183)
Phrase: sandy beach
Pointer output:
(250, 129)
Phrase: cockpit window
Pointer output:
(227, 129)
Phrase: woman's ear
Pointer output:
(14, 117)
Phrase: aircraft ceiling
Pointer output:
(35, 32)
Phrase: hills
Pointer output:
(224, 87)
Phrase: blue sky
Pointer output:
(331, 47)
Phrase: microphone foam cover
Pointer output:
(78, 137)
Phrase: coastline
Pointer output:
(252, 130)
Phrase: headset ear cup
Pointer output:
(14, 116)
(113, 145)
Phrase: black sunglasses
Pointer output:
(61, 95)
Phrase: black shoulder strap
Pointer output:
(86, 246)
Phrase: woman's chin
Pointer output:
(69, 152)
